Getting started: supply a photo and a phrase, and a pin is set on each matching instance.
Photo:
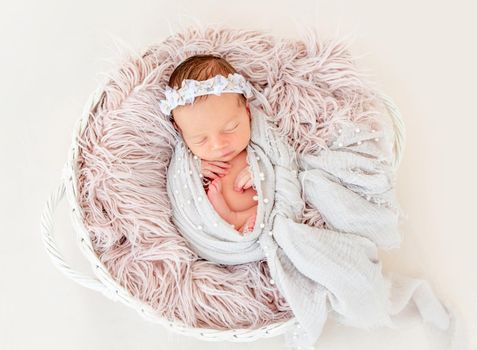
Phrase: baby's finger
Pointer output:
(216, 169)
(218, 163)
(221, 164)
(248, 184)
(239, 182)
(209, 174)
(243, 176)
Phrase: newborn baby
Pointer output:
(217, 130)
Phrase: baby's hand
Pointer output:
(243, 180)
(214, 169)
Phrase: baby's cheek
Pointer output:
(197, 151)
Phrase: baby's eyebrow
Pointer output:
(202, 133)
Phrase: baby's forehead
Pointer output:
(192, 129)
(216, 110)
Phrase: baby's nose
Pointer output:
(219, 143)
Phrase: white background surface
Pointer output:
(422, 53)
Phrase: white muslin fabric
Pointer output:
(318, 270)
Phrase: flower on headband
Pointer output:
(219, 84)
(171, 97)
(192, 88)
(188, 90)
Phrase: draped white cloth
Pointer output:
(317, 270)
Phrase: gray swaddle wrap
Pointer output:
(316, 269)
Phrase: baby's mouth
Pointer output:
(227, 154)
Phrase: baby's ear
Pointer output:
(247, 105)
(175, 125)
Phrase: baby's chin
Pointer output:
(226, 158)
(230, 156)
(222, 159)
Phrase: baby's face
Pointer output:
(217, 128)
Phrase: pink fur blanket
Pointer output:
(312, 86)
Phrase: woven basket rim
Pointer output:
(109, 287)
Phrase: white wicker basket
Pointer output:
(102, 280)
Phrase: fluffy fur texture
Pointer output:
(312, 87)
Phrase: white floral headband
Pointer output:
(193, 88)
